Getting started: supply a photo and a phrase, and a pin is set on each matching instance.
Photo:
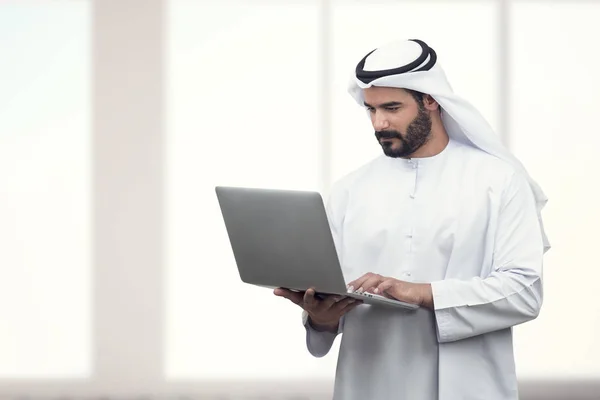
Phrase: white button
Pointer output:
(412, 195)
(406, 274)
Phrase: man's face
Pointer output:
(402, 125)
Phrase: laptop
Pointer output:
(282, 239)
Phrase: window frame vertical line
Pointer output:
(504, 78)
(325, 101)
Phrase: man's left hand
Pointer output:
(414, 293)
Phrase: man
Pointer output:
(446, 218)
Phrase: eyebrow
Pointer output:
(385, 105)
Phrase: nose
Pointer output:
(380, 121)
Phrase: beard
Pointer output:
(417, 134)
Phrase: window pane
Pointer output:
(554, 114)
(44, 189)
(470, 60)
(243, 110)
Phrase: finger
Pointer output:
(331, 301)
(357, 283)
(340, 305)
(295, 297)
(385, 286)
(350, 306)
(310, 302)
(372, 283)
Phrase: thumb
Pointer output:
(384, 286)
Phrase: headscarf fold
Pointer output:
(412, 64)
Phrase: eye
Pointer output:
(371, 109)
(392, 109)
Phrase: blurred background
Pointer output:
(118, 118)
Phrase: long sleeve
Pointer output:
(319, 343)
(512, 293)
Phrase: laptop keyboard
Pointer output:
(369, 295)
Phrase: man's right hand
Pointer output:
(324, 314)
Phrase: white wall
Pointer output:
(554, 104)
(45, 210)
(234, 120)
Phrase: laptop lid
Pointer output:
(281, 238)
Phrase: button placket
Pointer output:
(411, 229)
(413, 165)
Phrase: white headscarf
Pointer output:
(412, 64)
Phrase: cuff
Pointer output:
(444, 296)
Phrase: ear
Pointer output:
(430, 103)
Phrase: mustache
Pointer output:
(388, 134)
